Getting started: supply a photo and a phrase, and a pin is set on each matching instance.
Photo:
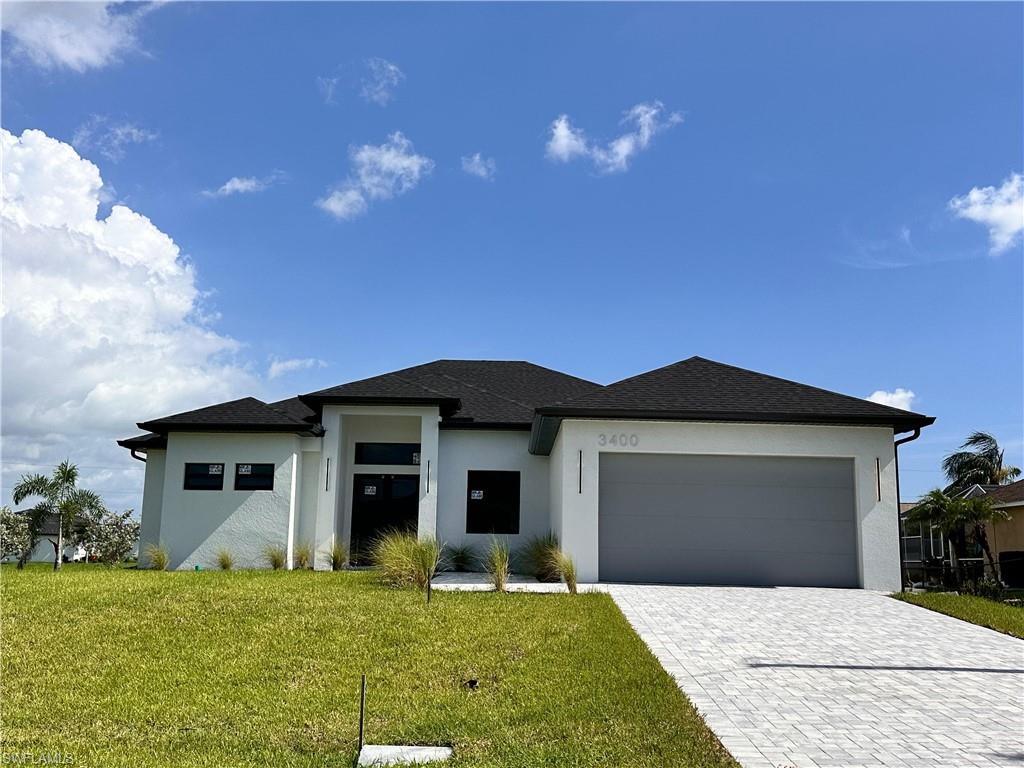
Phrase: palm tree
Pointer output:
(958, 518)
(59, 497)
(979, 461)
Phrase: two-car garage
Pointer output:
(727, 519)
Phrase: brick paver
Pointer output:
(830, 677)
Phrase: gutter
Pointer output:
(135, 455)
(899, 524)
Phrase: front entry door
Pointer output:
(382, 503)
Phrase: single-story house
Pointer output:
(697, 472)
(46, 545)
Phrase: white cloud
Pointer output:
(327, 87)
(381, 79)
(645, 120)
(480, 166)
(74, 35)
(379, 172)
(281, 367)
(109, 139)
(240, 185)
(1001, 209)
(898, 398)
(103, 322)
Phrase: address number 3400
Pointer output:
(620, 439)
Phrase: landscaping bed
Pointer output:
(1001, 617)
(140, 668)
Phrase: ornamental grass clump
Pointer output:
(426, 558)
(225, 561)
(540, 556)
(276, 556)
(338, 556)
(461, 558)
(562, 566)
(303, 556)
(156, 556)
(404, 560)
(497, 561)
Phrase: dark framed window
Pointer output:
(254, 477)
(204, 476)
(492, 502)
(398, 454)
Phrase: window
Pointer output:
(254, 477)
(204, 477)
(492, 502)
(403, 454)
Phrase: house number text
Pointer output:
(620, 439)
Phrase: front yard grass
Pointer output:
(142, 668)
(1001, 617)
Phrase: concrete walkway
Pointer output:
(823, 677)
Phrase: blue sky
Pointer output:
(785, 205)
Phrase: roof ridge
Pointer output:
(275, 409)
(489, 392)
(420, 385)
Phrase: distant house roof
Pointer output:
(1006, 495)
(244, 415)
(906, 506)
(697, 389)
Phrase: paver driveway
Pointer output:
(830, 677)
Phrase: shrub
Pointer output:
(497, 563)
(567, 570)
(303, 556)
(988, 587)
(276, 556)
(540, 556)
(224, 560)
(156, 556)
(338, 556)
(461, 558)
(405, 560)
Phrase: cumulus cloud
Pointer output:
(898, 398)
(381, 79)
(279, 368)
(643, 121)
(242, 185)
(1001, 209)
(327, 86)
(100, 134)
(379, 172)
(479, 166)
(103, 322)
(73, 35)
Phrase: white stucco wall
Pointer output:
(878, 538)
(463, 450)
(152, 498)
(308, 485)
(196, 524)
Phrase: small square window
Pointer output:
(393, 454)
(492, 502)
(204, 477)
(254, 477)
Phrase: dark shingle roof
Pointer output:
(1007, 494)
(143, 442)
(470, 392)
(247, 414)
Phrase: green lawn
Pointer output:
(137, 668)
(1001, 617)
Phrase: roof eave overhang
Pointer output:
(493, 425)
(547, 421)
(446, 405)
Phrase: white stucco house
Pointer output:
(697, 472)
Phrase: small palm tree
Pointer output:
(979, 461)
(958, 518)
(59, 496)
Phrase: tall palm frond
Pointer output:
(33, 485)
(979, 461)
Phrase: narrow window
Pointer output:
(204, 477)
(254, 477)
(492, 502)
(394, 454)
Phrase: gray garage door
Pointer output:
(757, 520)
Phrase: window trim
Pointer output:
(273, 472)
(184, 480)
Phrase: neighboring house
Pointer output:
(697, 472)
(46, 546)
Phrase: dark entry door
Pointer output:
(382, 503)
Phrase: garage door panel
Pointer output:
(727, 520)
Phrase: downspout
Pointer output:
(896, 460)
(143, 460)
